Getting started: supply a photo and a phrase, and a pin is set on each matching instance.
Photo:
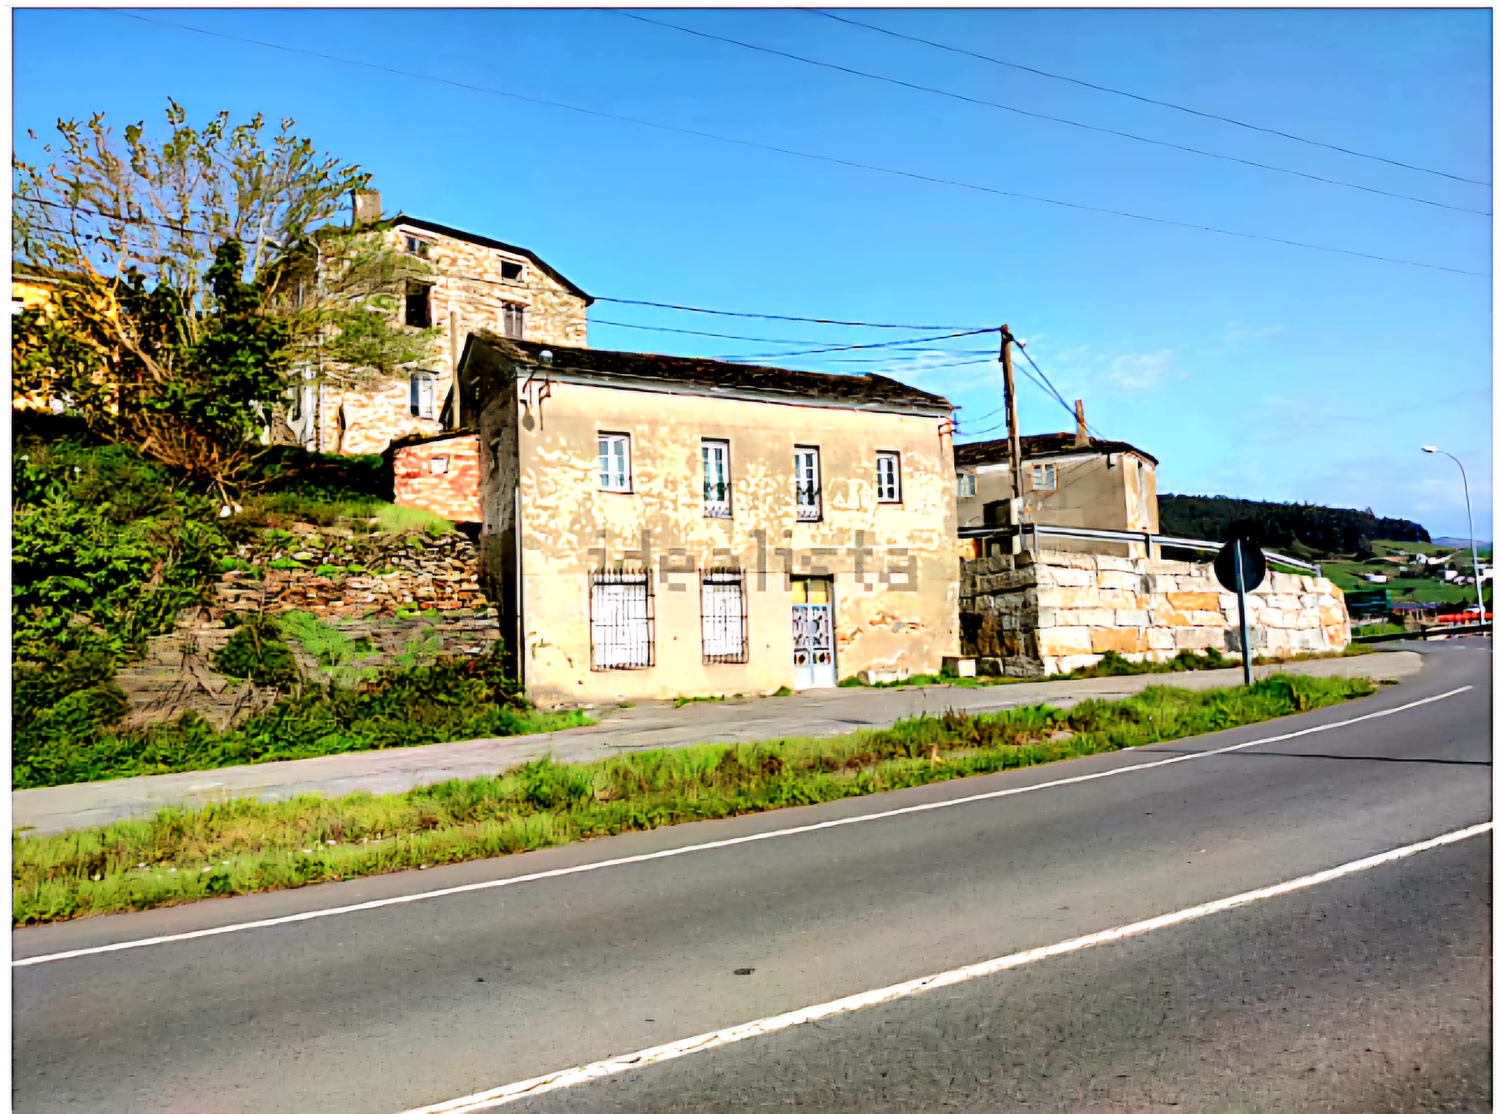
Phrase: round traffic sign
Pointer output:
(1252, 562)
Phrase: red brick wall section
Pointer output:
(442, 477)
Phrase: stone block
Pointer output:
(1121, 581)
(1069, 578)
(958, 667)
(1046, 617)
(1086, 617)
(1131, 618)
(1071, 597)
(1193, 601)
(1118, 599)
(1160, 639)
(1073, 661)
(1200, 638)
(1208, 619)
(1171, 617)
(1062, 559)
(1107, 563)
(1061, 641)
(1258, 639)
(1122, 640)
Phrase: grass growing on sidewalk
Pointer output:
(246, 846)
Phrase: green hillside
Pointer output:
(1302, 529)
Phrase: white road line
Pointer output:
(601, 1069)
(584, 868)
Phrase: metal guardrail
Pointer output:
(1152, 542)
(1425, 633)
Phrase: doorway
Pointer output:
(812, 633)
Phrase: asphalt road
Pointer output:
(1369, 993)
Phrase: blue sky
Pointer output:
(1250, 368)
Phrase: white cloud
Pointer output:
(1142, 371)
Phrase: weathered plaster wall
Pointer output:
(894, 566)
(1064, 610)
(1094, 492)
(468, 296)
(441, 476)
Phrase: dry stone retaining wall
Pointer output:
(1030, 616)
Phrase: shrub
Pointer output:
(256, 651)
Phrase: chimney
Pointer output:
(366, 206)
(1081, 438)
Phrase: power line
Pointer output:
(775, 316)
(915, 176)
(1045, 116)
(1151, 100)
(854, 347)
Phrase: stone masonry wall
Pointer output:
(399, 600)
(1062, 611)
(441, 476)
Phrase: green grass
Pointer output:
(247, 846)
(448, 700)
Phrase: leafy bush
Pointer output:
(258, 652)
(328, 644)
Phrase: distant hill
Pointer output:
(1462, 543)
(1324, 529)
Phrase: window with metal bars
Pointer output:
(809, 484)
(622, 620)
(715, 479)
(515, 321)
(725, 622)
(423, 395)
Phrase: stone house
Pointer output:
(1067, 479)
(475, 284)
(658, 527)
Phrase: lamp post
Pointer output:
(1473, 549)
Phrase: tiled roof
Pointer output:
(717, 377)
(1038, 445)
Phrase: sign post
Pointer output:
(1242, 566)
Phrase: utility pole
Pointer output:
(1011, 422)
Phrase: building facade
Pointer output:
(1066, 480)
(658, 527)
(475, 284)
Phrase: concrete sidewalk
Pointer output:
(815, 713)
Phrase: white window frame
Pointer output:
(807, 472)
(715, 454)
(438, 465)
(967, 485)
(615, 462)
(424, 395)
(513, 315)
(888, 477)
(416, 245)
(1044, 477)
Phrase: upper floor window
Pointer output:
(716, 479)
(809, 484)
(1044, 477)
(888, 477)
(419, 304)
(509, 269)
(423, 395)
(614, 462)
(966, 485)
(515, 321)
(415, 245)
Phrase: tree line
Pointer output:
(1325, 530)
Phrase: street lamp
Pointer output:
(1473, 549)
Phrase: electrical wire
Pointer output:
(1046, 116)
(775, 316)
(834, 160)
(1150, 100)
(854, 347)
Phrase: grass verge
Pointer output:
(448, 700)
(246, 846)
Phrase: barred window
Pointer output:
(809, 484)
(725, 638)
(715, 479)
(621, 619)
(888, 477)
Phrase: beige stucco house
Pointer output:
(658, 527)
(475, 284)
(1066, 480)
